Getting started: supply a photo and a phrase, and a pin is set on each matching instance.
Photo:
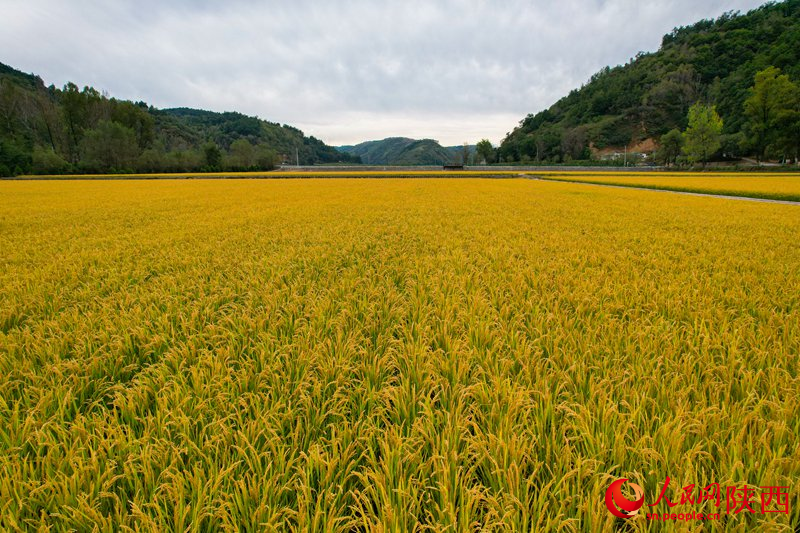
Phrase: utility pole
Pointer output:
(626, 157)
(297, 156)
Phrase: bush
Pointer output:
(14, 157)
(46, 161)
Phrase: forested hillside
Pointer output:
(713, 62)
(404, 151)
(50, 130)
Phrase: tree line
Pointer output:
(715, 62)
(47, 130)
(772, 129)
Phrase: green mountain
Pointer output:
(713, 61)
(405, 152)
(51, 130)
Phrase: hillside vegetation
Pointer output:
(404, 151)
(713, 62)
(51, 130)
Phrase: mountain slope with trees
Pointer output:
(714, 62)
(51, 130)
(407, 152)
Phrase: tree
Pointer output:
(80, 110)
(9, 108)
(666, 104)
(109, 146)
(213, 156)
(137, 119)
(788, 125)
(14, 159)
(47, 161)
(670, 147)
(702, 137)
(50, 118)
(485, 151)
(465, 155)
(242, 154)
(732, 145)
(265, 157)
(769, 99)
(527, 148)
(574, 145)
(153, 159)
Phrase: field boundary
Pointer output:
(728, 195)
(388, 172)
(307, 176)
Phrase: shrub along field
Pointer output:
(390, 355)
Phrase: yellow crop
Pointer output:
(771, 186)
(388, 355)
(777, 186)
(286, 174)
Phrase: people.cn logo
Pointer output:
(621, 506)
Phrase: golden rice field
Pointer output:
(769, 186)
(389, 355)
(774, 186)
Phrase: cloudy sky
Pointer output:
(343, 70)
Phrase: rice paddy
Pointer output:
(768, 186)
(389, 355)
(774, 186)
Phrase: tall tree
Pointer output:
(109, 146)
(485, 151)
(666, 104)
(788, 123)
(573, 144)
(75, 105)
(465, 155)
(136, 118)
(702, 137)
(50, 118)
(213, 156)
(670, 147)
(242, 154)
(265, 157)
(769, 99)
(10, 97)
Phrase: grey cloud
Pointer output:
(344, 70)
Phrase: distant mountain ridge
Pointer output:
(404, 151)
(224, 128)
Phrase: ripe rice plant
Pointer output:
(773, 186)
(388, 355)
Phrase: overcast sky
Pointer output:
(343, 70)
